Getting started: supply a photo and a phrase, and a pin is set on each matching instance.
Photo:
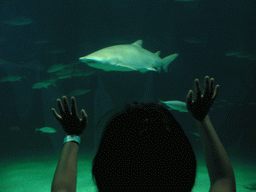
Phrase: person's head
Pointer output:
(143, 146)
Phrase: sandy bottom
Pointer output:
(35, 173)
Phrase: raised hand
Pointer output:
(70, 121)
(200, 107)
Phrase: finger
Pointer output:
(65, 101)
(216, 92)
(57, 116)
(73, 101)
(60, 107)
(212, 86)
(198, 90)
(206, 85)
(84, 117)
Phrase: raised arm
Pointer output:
(219, 167)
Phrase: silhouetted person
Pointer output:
(143, 146)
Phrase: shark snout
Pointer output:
(88, 60)
(82, 59)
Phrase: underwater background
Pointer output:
(41, 42)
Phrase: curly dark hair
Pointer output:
(143, 146)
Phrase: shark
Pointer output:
(128, 57)
(175, 105)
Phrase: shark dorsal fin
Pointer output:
(138, 43)
(158, 53)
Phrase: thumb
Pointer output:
(56, 115)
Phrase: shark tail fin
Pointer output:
(167, 60)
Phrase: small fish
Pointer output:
(221, 106)
(65, 72)
(73, 73)
(78, 92)
(240, 54)
(21, 20)
(16, 128)
(233, 53)
(12, 78)
(34, 64)
(46, 130)
(74, 93)
(175, 105)
(54, 68)
(44, 84)
(65, 77)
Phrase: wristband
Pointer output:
(74, 138)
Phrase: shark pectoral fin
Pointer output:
(144, 70)
(151, 69)
(120, 64)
